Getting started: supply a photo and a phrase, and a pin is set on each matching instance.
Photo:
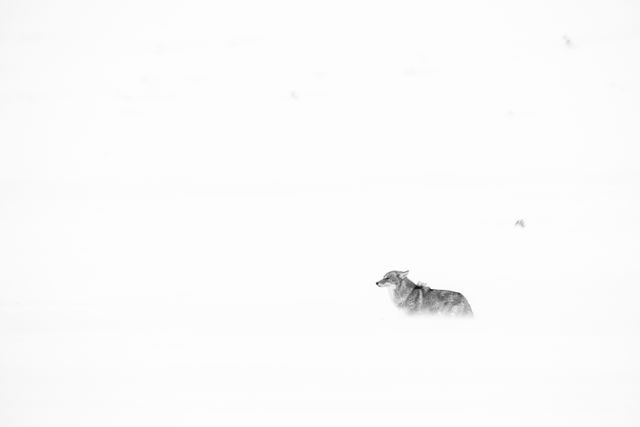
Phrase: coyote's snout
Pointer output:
(421, 298)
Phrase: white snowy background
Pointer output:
(196, 199)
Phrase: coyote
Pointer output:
(421, 298)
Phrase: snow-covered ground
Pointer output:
(196, 199)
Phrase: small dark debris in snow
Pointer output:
(519, 223)
(567, 41)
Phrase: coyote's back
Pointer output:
(438, 301)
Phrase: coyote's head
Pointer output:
(393, 278)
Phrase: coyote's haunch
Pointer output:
(421, 298)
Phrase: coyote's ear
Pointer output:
(404, 274)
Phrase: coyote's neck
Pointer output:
(402, 291)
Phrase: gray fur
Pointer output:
(421, 298)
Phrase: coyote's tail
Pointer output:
(467, 308)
